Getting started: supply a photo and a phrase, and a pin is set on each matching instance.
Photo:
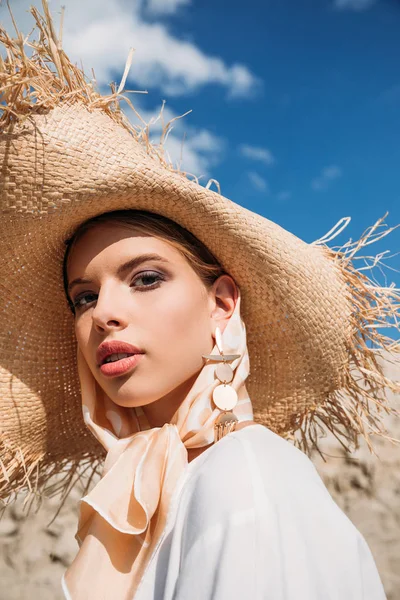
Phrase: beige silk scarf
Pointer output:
(123, 518)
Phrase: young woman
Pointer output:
(166, 313)
(249, 517)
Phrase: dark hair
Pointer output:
(197, 254)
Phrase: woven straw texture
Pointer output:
(68, 154)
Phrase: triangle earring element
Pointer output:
(221, 357)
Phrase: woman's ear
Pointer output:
(224, 295)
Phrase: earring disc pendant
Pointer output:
(225, 397)
(224, 372)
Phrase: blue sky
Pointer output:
(327, 110)
(295, 103)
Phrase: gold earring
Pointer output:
(224, 396)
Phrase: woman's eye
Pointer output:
(147, 279)
(83, 300)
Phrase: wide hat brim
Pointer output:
(305, 306)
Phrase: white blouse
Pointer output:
(252, 520)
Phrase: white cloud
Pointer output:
(205, 141)
(390, 96)
(195, 150)
(192, 155)
(355, 5)
(256, 153)
(101, 32)
(258, 182)
(327, 175)
(332, 172)
(165, 7)
(284, 195)
(241, 82)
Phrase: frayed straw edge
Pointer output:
(357, 408)
(47, 79)
(39, 480)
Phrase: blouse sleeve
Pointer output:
(258, 534)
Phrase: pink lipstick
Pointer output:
(117, 357)
(121, 366)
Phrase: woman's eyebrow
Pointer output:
(130, 264)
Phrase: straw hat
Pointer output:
(67, 154)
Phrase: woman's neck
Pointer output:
(161, 411)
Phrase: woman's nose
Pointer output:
(109, 312)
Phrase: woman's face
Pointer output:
(159, 305)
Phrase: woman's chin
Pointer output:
(132, 398)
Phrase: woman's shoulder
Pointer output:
(253, 460)
(254, 450)
(274, 454)
(255, 496)
(256, 476)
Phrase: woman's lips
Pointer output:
(119, 367)
(107, 348)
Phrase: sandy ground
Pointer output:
(34, 554)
